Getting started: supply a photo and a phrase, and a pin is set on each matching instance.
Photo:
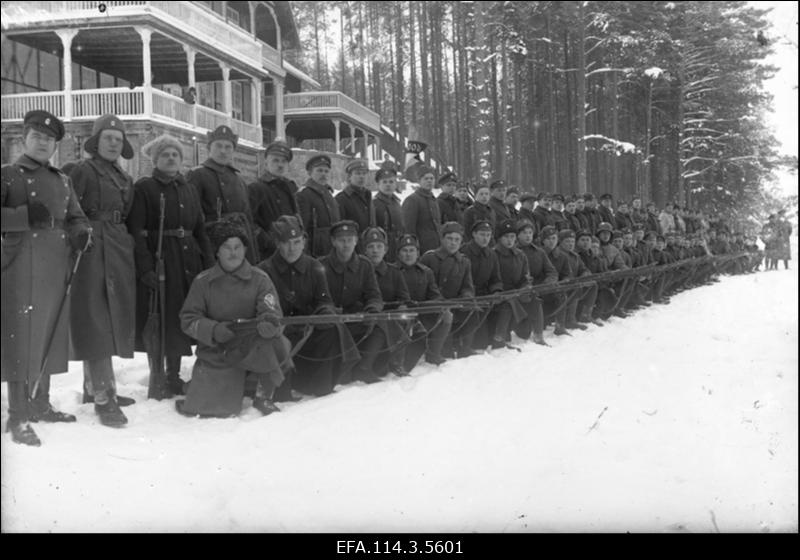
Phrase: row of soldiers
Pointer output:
(316, 253)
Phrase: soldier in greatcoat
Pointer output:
(421, 212)
(449, 207)
(480, 209)
(542, 216)
(497, 202)
(555, 306)
(318, 209)
(42, 223)
(355, 200)
(519, 313)
(485, 270)
(186, 250)
(272, 195)
(606, 208)
(103, 312)
(541, 271)
(223, 193)
(388, 211)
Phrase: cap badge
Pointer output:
(47, 121)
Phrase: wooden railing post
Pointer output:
(66, 36)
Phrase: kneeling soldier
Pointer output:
(541, 272)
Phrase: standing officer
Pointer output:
(355, 201)
(541, 214)
(449, 207)
(557, 213)
(497, 202)
(388, 212)
(421, 212)
(41, 220)
(272, 195)
(527, 202)
(318, 209)
(103, 313)
(606, 212)
(223, 193)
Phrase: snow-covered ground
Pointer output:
(680, 418)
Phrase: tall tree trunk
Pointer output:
(399, 63)
(440, 89)
(343, 69)
(615, 127)
(483, 108)
(316, 41)
(412, 10)
(552, 131)
(497, 123)
(580, 106)
(362, 57)
(424, 130)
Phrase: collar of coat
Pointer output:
(244, 272)
(477, 250)
(268, 177)
(424, 193)
(381, 268)
(214, 166)
(300, 265)
(416, 266)
(505, 251)
(32, 165)
(359, 192)
(442, 254)
(389, 198)
(318, 187)
(107, 165)
(338, 266)
(165, 179)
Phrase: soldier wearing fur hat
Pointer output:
(42, 223)
(272, 195)
(388, 211)
(354, 289)
(102, 320)
(421, 214)
(480, 210)
(485, 269)
(223, 193)
(185, 247)
(452, 270)
(449, 208)
(230, 292)
(355, 200)
(303, 290)
(318, 209)
(421, 284)
(541, 271)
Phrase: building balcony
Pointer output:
(128, 104)
(184, 21)
(314, 105)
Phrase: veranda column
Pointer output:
(227, 99)
(190, 57)
(147, 72)
(66, 36)
(280, 125)
(338, 135)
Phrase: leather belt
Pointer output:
(113, 216)
(179, 233)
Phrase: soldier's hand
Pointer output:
(39, 215)
(150, 279)
(222, 333)
(81, 240)
(267, 329)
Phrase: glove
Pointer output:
(371, 309)
(222, 333)
(81, 240)
(150, 279)
(267, 329)
(525, 298)
(39, 215)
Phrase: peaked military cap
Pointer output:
(423, 170)
(587, 197)
(605, 226)
(45, 122)
(512, 190)
(481, 225)
(583, 233)
(319, 160)
(606, 196)
(651, 233)
(547, 231)
(374, 235)
(356, 165)
(452, 227)
(522, 224)
(280, 148)
(223, 132)
(638, 227)
(544, 195)
(527, 196)
(506, 227)
(384, 172)
(566, 234)
(286, 228)
(558, 197)
(448, 177)
(408, 240)
(108, 122)
(344, 227)
(498, 184)
(616, 234)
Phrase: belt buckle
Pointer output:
(181, 233)
(52, 222)
(116, 217)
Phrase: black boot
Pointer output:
(50, 414)
(110, 415)
(539, 339)
(121, 401)
(577, 325)
(175, 385)
(22, 432)
(561, 331)
(265, 406)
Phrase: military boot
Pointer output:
(22, 432)
(121, 401)
(110, 414)
(539, 339)
(50, 414)
(265, 406)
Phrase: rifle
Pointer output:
(157, 350)
(241, 325)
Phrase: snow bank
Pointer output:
(680, 418)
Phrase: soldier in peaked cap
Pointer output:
(421, 214)
(557, 213)
(542, 215)
(485, 270)
(102, 321)
(272, 195)
(223, 193)
(388, 211)
(541, 272)
(449, 207)
(42, 223)
(318, 209)
(303, 290)
(527, 203)
(512, 197)
(497, 202)
(480, 209)
(355, 200)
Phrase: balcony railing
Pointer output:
(270, 56)
(312, 102)
(93, 103)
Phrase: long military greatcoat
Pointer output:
(422, 218)
(484, 267)
(270, 198)
(318, 212)
(103, 314)
(389, 216)
(452, 272)
(36, 264)
(184, 257)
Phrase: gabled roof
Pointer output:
(283, 10)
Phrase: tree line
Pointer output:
(664, 100)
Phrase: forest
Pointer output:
(664, 100)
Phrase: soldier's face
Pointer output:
(292, 249)
(320, 174)
(345, 245)
(547, 203)
(627, 240)
(622, 208)
(639, 233)
(590, 204)
(462, 194)
(451, 242)
(568, 244)
(482, 237)
(408, 255)
(427, 181)
(169, 161)
(580, 204)
(449, 188)
(39, 146)
(595, 248)
(375, 252)
(606, 202)
(277, 165)
(528, 204)
(109, 144)
(571, 207)
(508, 240)
(482, 196)
(499, 193)
(525, 237)
(637, 204)
(550, 242)
(231, 254)
(221, 151)
(358, 177)
(512, 199)
(387, 185)
(584, 243)
(558, 206)
(604, 236)
(618, 243)
(660, 245)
